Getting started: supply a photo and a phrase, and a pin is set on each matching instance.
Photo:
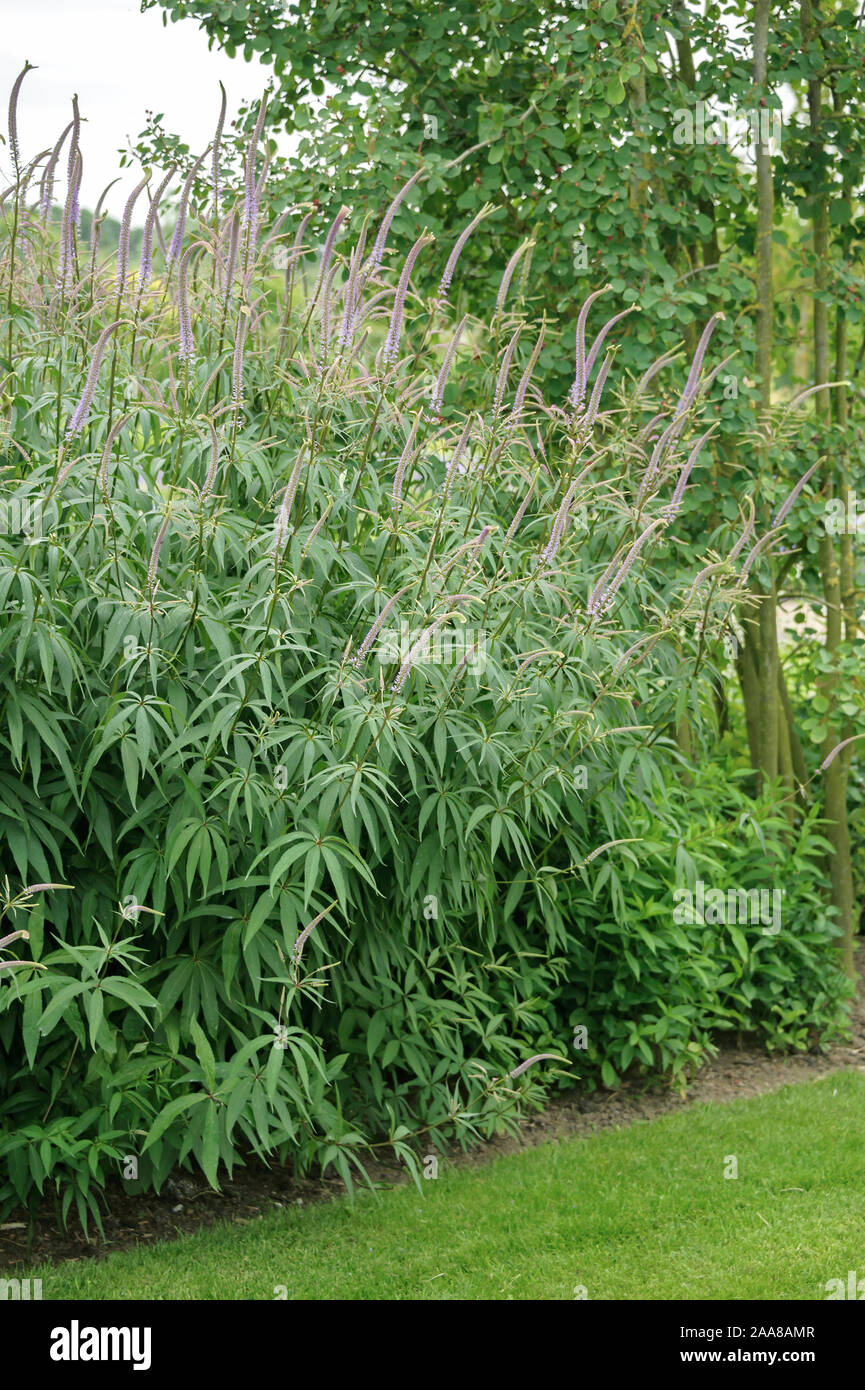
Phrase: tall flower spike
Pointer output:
(73, 156)
(442, 379)
(785, 508)
(377, 253)
(325, 317)
(123, 237)
(704, 574)
(475, 551)
(390, 351)
(297, 949)
(210, 477)
(252, 230)
(649, 375)
(13, 115)
(145, 265)
(327, 249)
(46, 190)
(509, 273)
(524, 1066)
(237, 358)
(415, 651)
(250, 200)
(451, 264)
(454, 461)
(659, 453)
(102, 475)
(520, 513)
(66, 259)
(598, 343)
(287, 503)
(672, 510)
(176, 243)
(377, 626)
(602, 597)
(743, 539)
(587, 421)
(217, 146)
(352, 291)
(396, 493)
(231, 258)
(82, 410)
(504, 369)
(155, 553)
(696, 366)
(187, 345)
(552, 546)
(520, 395)
(578, 390)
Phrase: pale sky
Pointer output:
(121, 63)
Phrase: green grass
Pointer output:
(638, 1213)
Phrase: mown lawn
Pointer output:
(639, 1213)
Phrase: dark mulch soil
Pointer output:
(187, 1203)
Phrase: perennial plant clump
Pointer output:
(319, 695)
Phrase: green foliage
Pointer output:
(323, 891)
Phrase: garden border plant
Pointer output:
(323, 899)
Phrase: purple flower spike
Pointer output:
(827, 761)
(520, 513)
(451, 265)
(559, 524)
(522, 388)
(377, 626)
(454, 463)
(46, 191)
(602, 596)
(231, 259)
(673, 509)
(187, 345)
(396, 494)
(13, 114)
(524, 1066)
(598, 343)
(74, 154)
(578, 390)
(66, 262)
(145, 267)
(176, 243)
(217, 146)
(504, 369)
(250, 191)
(287, 503)
(390, 350)
(327, 249)
(690, 390)
(237, 359)
(742, 541)
(442, 379)
(586, 422)
(82, 410)
(123, 238)
(155, 553)
(785, 508)
(415, 651)
(377, 253)
(509, 274)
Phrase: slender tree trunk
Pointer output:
(835, 776)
